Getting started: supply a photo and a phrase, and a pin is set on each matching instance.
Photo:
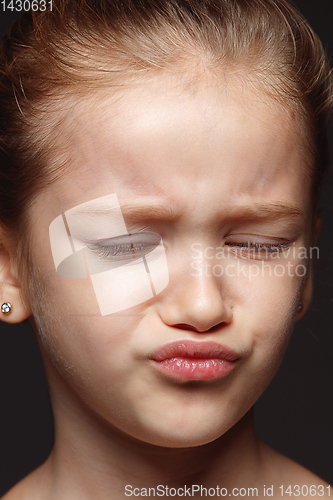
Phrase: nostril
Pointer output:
(217, 327)
(213, 329)
(184, 326)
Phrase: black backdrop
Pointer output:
(294, 415)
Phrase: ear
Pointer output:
(308, 284)
(10, 290)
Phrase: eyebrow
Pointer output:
(254, 211)
(133, 212)
(267, 211)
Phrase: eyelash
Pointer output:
(126, 247)
(136, 249)
(261, 247)
(122, 249)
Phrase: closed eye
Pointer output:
(260, 246)
(254, 250)
(126, 247)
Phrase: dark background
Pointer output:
(294, 415)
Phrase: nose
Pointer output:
(197, 303)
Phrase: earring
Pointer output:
(300, 306)
(6, 308)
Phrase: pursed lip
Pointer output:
(193, 349)
(193, 360)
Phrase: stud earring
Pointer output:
(6, 308)
(300, 306)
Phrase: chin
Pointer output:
(175, 440)
(185, 434)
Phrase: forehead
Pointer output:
(165, 137)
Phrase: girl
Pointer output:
(160, 165)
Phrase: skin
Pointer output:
(211, 153)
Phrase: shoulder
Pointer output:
(291, 479)
(32, 487)
(19, 492)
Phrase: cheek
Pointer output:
(81, 343)
(268, 309)
(87, 348)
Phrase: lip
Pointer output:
(190, 360)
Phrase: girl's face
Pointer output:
(218, 175)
